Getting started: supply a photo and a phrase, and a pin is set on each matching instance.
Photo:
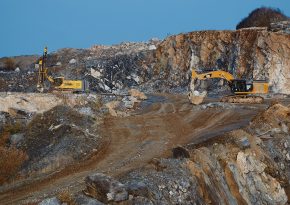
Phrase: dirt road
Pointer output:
(152, 131)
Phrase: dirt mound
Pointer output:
(275, 119)
(59, 137)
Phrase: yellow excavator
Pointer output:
(243, 92)
(58, 83)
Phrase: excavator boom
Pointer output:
(213, 74)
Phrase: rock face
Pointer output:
(281, 26)
(248, 54)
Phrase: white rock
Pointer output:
(72, 61)
(196, 93)
(54, 127)
(107, 88)
(95, 73)
(110, 196)
(248, 163)
(130, 101)
(58, 63)
(50, 201)
(284, 128)
(17, 69)
(136, 78)
(152, 47)
(288, 156)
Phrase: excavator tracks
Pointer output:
(247, 99)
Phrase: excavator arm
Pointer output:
(213, 74)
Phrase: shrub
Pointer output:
(13, 128)
(11, 159)
(65, 196)
(10, 162)
(9, 64)
(262, 17)
(4, 138)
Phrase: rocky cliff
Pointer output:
(252, 54)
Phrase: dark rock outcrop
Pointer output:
(105, 188)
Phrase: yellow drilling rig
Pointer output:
(58, 83)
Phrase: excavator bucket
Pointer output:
(196, 97)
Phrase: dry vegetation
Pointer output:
(9, 64)
(65, 196)
(11, 158)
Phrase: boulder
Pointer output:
(137, 94)
(105, 188)
(85, 200)
(16, 138)
(95, 73)
(17, 112)
(112, 106)
(130, 102)
(72, 61)
(50, 201)
(136, 188)
(139, 200)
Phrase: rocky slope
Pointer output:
(252, 54)
(244, 166)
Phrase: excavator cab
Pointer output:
(241, 86)
(58, 81)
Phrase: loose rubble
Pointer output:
(235, 169)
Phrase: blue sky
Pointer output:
(28, 25)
